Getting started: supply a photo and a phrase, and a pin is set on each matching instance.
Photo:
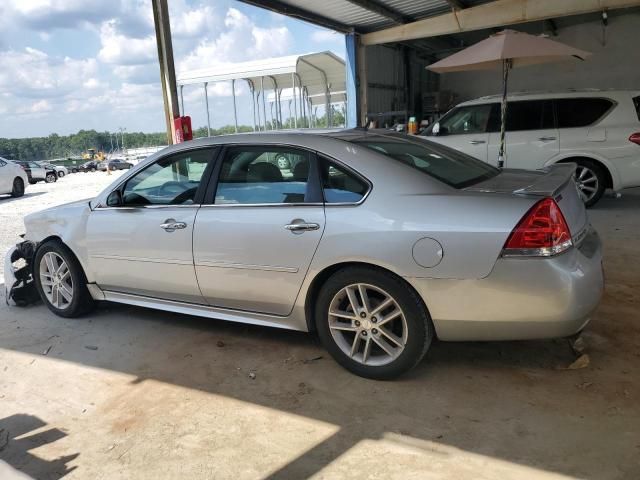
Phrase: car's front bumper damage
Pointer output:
(18, 275)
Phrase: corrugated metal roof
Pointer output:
(314, 71)
(341, 11)
(418, 9)
(351, 15)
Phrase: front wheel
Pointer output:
(60, 280)
(50, 178)
(18, 188)
(372, 323)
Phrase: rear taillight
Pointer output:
(635, 138)
(542, 232)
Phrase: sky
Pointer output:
(67, 65)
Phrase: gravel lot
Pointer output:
(72, 187)
(133, 393)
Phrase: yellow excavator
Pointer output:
(92, 154)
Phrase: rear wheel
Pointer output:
(60, 174)
(51, 177)
(60, 280)
(18, 187)
(591, 181)
(372, 323)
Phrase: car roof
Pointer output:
(540, 94)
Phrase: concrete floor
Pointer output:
(134, 393)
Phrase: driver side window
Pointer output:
(173, 180)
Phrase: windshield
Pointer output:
(445, 164)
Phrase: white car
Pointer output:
(597, 129)
(61, 170)
(13, 179)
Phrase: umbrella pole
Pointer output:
(506, 66)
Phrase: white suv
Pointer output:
(597, 129)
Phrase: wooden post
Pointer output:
(167, 69)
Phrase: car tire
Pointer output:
(80, 301)
(50, 178)
(93, 169)
(373, 354)
(60, 174)
(18, 188)
(591, 180)
(32, 182)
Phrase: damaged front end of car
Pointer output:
(18, 275)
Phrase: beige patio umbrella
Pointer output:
(507, 49)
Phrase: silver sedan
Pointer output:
(377, 242)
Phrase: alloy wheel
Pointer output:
(367, 324)
(56, 280)
(587, 182)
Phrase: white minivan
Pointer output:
(597, 129)
(13, 178)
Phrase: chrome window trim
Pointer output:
(253, 205)
(139, 207)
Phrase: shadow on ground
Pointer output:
(19, 434)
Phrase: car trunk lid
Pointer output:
(555, 181)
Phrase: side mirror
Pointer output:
(115, 199)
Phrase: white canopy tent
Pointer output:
(314, 78)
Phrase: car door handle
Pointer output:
(547, 139)
(302, 227)
(170, 225)
(477, 142)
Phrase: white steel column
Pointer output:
(206, 102)
(235, 111)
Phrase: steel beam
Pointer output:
(494, 14)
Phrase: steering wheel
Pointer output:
(188, 194)
(171, 187)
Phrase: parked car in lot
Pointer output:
(597, 129)
(91, 166)
(38, 173)
(13, 178)
(60, 170)
(381, 244)
(115, 164)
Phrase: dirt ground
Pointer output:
(133, 393)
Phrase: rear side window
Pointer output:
(340, 185)
(529, 115)
(581, 112)
(636, 103)
(262, 175)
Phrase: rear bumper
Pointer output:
(522, 298)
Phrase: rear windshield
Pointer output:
(447, 165)
(636, 102)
